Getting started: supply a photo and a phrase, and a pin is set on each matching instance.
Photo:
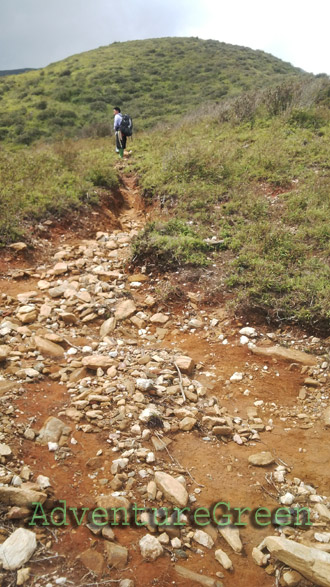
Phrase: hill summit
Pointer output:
(154, 80)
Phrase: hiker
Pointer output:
(120, 137)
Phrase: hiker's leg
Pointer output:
(123, 141)
(118, 141)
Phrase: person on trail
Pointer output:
(120, 137)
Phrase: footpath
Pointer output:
(143, 443)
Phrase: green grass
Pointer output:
(241, 180)
(51, 180)
(154, 80)
(257, 180)
(170, 244)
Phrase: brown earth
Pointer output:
(222, 469)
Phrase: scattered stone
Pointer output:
(248, 331)
(53, 430)
(17, 549)
(159, 318)
(326, 417)
(286, 354)
(172, 489)
(259, 557)
(27, 314)
(203, 539)
(144, 384)
(232, 537)
(43, 482)
(196, 577)
(95, 362)
(4, 352)
(5, 450)
(6, 386)
(287, 499)
(322, 511)
(59, 269)
(23, 575)
(116, 555)
(163, 538)
(160, 444)
(187, 423)
(312, 563)
(107, 327)
(236, 377)
(291, 578)
(310, 382)
(48, 348)
(185, 364)
(21, 496)
(261, 459)
(18, 246)
(93, 561)
(108, 533)
(223, 559)
(125, 309)
(150, 547)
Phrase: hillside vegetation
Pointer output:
(245, 187)
(45, 181)
(154, 80)
(236, 160)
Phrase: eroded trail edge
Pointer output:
(110, 398)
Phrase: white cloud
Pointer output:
(34, 33)
(293, 30)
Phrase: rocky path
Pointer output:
(109, 398)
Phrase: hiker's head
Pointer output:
(116, 110)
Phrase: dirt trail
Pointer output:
(220, 466)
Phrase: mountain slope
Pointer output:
(155, 80)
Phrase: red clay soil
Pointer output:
(222, 469)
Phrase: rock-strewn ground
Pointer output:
(110, 398)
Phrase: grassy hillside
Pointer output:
(51, 180)
(154, 80)
(245, 190)
(234, 148)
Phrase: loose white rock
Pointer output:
(150, 547)
(236, 377)
(203, 539)
(248, 331)
(287, 499)
(17, 549)
(223, 559)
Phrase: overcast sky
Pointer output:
(34, 33)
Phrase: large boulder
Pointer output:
(312, 563)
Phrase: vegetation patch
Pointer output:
(170, 245)
(51, 180)
(154, 80)
(254, 181)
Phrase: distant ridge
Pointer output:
(15, 71)
(155, 80)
